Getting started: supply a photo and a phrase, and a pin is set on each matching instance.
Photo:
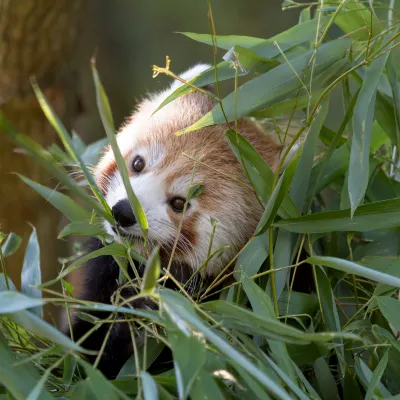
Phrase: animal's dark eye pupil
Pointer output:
(178, 204)
(138, 164)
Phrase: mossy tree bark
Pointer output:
(40, 38)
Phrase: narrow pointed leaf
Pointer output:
(14, 301)
(363, 117)
(11, 244)
(31, 273)
(81, 228)
(377, 376)
(151, 272)
(269, 88)
(108, 123)
(69, 144)
(260, 174)
(356, 269)
(68, 207)
(378, 215)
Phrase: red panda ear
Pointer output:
(192, 72)
(266, 145)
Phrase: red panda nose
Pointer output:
(123, 214)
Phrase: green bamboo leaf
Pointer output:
(394, 84)
(11, 244)
(262, 306)
(287, 106)
(271, 208)
(269, 88)
(365, 376)
(329, 310)
(356, 269)
(108, 123)
(3, 284)
(38, 388)
(113, 249)
(68, 143)
(205, 387)
(363, 117)
(253, 255)
(69, 370)
(81, 228)
(185, 310)
(101, 387)
(31, 275)
(148, 353)
(325, 380)
(262, 48)
(283, 255)
(151, 272)
(378, 215)
(377, 376)
(186, 368)
(11, 301)
(248, 322)
(299, 303)
(390, 308)
(37, 326)
(68, 207)
(83, 390)
(224, 41)
(150, 315)
(260, 174)
(301, 179)
(19, 380)
(354, 16)
(289, 381)
(150, 390)
(385, 115)
(278, 195)
(298, 34)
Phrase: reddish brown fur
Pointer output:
(227, 192)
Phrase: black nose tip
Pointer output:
(123, 214)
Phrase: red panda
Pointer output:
(161, 170)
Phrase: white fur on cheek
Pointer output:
(150, 191)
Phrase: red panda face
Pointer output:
(163, 166)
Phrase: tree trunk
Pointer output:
(38, 38)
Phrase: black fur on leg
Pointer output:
(100, 285)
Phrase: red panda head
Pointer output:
(161, 167)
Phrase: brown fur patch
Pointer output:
(227, 197)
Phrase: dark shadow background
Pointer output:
(130, 37)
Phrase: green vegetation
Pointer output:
(335, 210)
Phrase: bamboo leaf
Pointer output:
(269, 88)
(151, 272)
(11, 301)
(108, 123)
(113, 249)
(69, 144)
(363, 117)
(356, 269)
(260, 174)
(378, 215)
(81, 228)
(31, 274)
(377, 376)
(68, 207)
(11, 244)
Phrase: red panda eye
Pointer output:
(138, 164)
(177, 204)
